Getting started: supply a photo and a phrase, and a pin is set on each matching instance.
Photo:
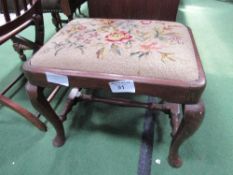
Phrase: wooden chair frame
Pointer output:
(68, 7)
(32, 16)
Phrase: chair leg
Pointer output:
(40, 103)
(56, 19)
(193, 116)
(19, 49)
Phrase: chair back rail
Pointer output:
(68, 7)
(25, 11)
(137, 9)
(15, 6)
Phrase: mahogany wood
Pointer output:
(32, 16)
(193, 116)
(17, 9)
(175, 116)
(67, 7)
(173, 93)
(40, 103)
(23, 112)
(51, 97)
(138, 9)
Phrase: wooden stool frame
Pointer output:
(175, 94)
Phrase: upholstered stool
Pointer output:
(148, 57)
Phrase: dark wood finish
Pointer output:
(56, 19)
(5, 10)
(40, 103)
(31, 16)
(193, 116)
(138, 9)
(16, 7)
(67, 7)
(23, 112)
(175, 116)
(25, 5)
(173, 93)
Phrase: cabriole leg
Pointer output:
(40, 103)
(193, 116)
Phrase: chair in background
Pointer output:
(27, 14)
(67, 7)
(151, 57)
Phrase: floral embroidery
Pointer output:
(146, 49)
(115, 49)
(59, 46)
(176, 39)
(107, 21)
(137, 38)
(100, 53)
(140, 54)
(142, 36)
(146, 22)
(73, 29)
(167, 56)
(128, 45)
(118, 36)
(150, 46)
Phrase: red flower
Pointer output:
(146, 22)
(118, 36)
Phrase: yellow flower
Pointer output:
(107, 21)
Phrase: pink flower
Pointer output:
(118, 36)
(150, 46)
(146, 22)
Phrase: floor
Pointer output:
(103, 139)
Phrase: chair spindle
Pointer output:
(16, 6)
(5, 10)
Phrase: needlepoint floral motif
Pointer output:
(131, 38)
(118, 36)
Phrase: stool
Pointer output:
(149, 57)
